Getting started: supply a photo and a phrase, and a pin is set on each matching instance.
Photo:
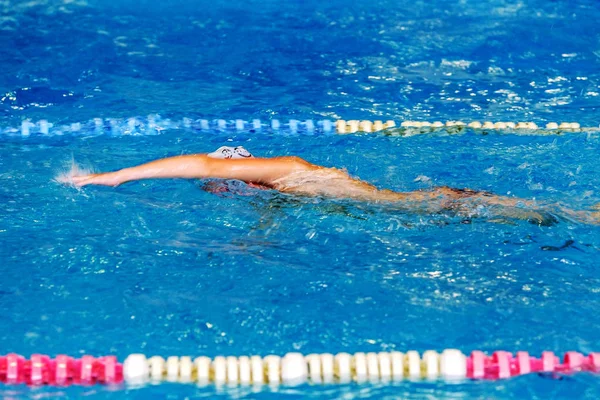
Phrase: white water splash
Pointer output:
(69, 170)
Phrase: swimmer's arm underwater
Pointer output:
(199, 166)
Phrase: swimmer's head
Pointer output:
(226, 152)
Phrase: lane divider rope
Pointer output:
(291, 369)
(154, 124)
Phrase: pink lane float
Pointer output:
(291, 369)
(60, 371)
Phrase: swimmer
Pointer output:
(290, 174)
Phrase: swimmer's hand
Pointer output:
(104, 179)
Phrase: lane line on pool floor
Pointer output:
(290, 370)
(154, 124)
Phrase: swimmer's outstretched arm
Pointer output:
(258, 170)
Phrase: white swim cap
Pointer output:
(226, 152)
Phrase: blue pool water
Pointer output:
(164, 267)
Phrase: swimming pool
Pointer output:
(164, 267)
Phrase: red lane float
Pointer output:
(61, 371)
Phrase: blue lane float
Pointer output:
(154, 125)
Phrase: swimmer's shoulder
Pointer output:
(294, 161)
(297, 163)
